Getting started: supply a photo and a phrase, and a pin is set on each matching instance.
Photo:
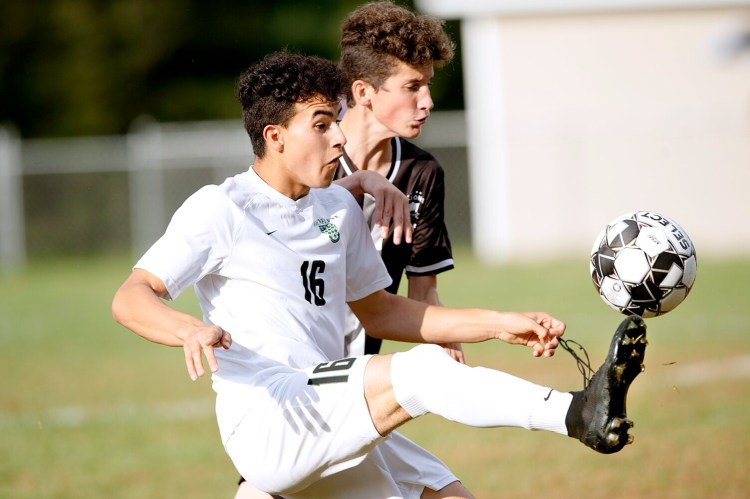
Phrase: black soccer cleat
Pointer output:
(597, 414)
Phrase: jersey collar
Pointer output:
(349, 167)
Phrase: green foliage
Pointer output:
(88, 409)
(91, 67)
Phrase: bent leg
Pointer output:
(425, 379)
(385, 411)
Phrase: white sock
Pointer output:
(426, 379)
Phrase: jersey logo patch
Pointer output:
(416, 200)
(327, 227)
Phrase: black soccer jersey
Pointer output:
(417, 174)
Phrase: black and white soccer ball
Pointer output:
(643, 263)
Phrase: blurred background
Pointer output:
(554, 118)
(82, 81)
(112, 112)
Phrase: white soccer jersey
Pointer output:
(273, 272)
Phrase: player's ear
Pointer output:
(274, 137)
(362, 92)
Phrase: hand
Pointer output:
(456, 351)
(202, 340)
(537, 330)
(391, 206)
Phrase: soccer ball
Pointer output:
(643, 263)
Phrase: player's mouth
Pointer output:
(423, 120)
(334, 163)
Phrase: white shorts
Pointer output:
(312, 436)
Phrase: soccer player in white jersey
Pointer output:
(275, 254)
(388, 53)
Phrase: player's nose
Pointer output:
(338, 139)
(425, 100)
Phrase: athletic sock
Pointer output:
(425, 379)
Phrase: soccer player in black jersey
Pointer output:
(388, 54)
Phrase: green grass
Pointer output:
(88, 409)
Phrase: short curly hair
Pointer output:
(377, 35)
(269, 89)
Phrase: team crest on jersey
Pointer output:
(416, 200)
(326, 226)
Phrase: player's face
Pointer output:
(312, 144)
(403, 102)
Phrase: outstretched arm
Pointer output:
(391, 205)
(138, 306)
(424, 288)
(394, 317)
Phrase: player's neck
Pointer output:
(275, 177)
(368, 143)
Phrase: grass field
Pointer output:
(89, 410)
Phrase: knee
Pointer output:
(428, 353)
(425, 360)
(415, 372)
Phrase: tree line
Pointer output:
(89, 67)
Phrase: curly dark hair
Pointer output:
(377, 35)
(269, 90)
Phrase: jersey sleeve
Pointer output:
(196, 242)
(431, 248)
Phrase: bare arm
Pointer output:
(138, 306)
(391, 205)
(394, 317)
(424, 289)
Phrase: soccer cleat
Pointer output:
(597, 414)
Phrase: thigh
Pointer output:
(412, 467)
(307, 425)
(396, 467)
(385, 411)
(369, 479)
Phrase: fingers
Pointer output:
(201, 344)
(554, 326)
(225, 341)
(194, 361)
(405, 221)
(208, 351)
(542, 331)
(392, 212)
(456, 351)
(546, 346)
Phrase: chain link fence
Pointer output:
(92, 195)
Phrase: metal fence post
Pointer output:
(12, 235)
(147, 217)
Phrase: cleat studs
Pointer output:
(643, 367)
(631, 439)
